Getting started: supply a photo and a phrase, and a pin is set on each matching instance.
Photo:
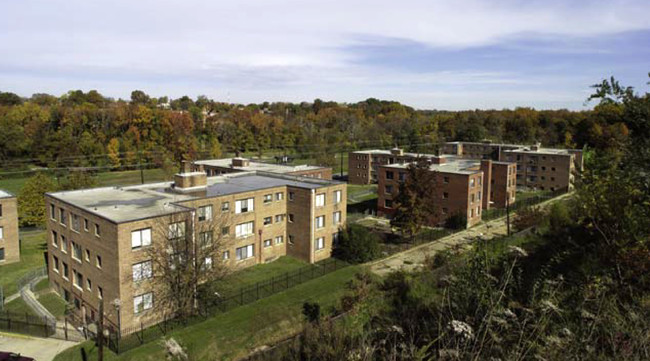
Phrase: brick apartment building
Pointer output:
(98, 237)
(459, 189)
(9, 240)
(363, 165)
(537, 167)
(215, 167)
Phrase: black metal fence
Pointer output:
(494, 213)
(147, 332)
(25, 323)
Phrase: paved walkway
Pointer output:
(414, 258)
(41, 349)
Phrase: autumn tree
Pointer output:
(415, 204)
(185, 249)
(31, 200)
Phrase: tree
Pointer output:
(138, 97)
(356, 245)
(186, 253)
(113, 150)
(78, 180)
(31, 200)
(416, 201)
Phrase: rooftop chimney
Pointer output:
(192, 181)
(397, 151)
(240, 162)
(535, 146)
(438, 160)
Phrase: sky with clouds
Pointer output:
(460, 54)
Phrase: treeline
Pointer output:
(87, 129)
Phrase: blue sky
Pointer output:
(461, 54)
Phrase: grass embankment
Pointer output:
(261, 272)
(19, 307)
(361, 193)
(53, 303)
(31, 257)
(235, 333)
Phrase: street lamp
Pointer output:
(117, 304)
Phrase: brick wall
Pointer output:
(10, 238)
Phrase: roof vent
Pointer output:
(187, 182)
(240, 162)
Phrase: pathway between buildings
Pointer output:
(41, 349)
(414, 258)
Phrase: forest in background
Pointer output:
(89, 130)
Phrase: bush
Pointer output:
(357, 245)
(457, 221)
(527, 217)
(559, 218)
(311, 311)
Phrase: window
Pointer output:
(76, 251)
(401, 176)
(279, 240)
(291, 196)
(65, 270)
(279, 196)
(268, 220)
(320, 222)
(89, 284)
(444, 210)
(335, 238)
(205, 213)
(244, 205)
(244, 229)
(479, 195)
(225, 206)
(290, 239)
(225, 255)
(445, 195)
(389, 175)
(207, 263)
(337, 217)
(87, 255)
(64, 244)
(78, 280)
(553, 169)
(478, 211)
(52, 211)
(143, 302)
(225, 231)
(320, 200)
(176, 230)
(320, 243)
(100, 292)
(97, 233)
(55, 239)
(98, 261)
(279, 218)
(337, 197)
(205, 239)
(62, 216)
(142, 271)
(471, 182)
(471, 213)
(267, 243)
(268, 198)
(75, 222)
(388, 203)
(55, 264)
(140, 238)
(85, 225)
(389, 189)
(445, 180)
(245, 252)
(472, 198)
(290, 218)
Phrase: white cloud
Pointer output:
(285, 48)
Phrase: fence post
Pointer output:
(66, 328)
(287, 276)
(142, 333)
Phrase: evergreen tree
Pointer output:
(31, 200)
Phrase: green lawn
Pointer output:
(54, 303)
(18, 306)
(14, 185)
(360, 193)
(235, 333)
(42, 285)
(31, 257)
(261, 272)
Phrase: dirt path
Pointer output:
(414, 257)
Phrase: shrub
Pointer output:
(357, 245)
(311, 311)
(457, 221)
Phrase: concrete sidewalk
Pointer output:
(41, 349)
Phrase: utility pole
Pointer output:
(140, 163)
(100, 332)
(508, 214)
(341, 153)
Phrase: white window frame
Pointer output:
(245, 229)
(176, 230)
(245, 252)
(244, 205)
(142, 271)
(320, 200)
(319, 243)
(336, 217)
(279, 239)
(140, 238)
(268, 198)
(205, 213)
(279, 196)
(145, 299)
(268, 243)
(338, 197)
(319, 222)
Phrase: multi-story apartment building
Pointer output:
(215, 167)
(9, 241)
(98, 238)
(459, 188)
(537, 167)
(363, 165)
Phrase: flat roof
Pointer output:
(545, 151)
(256, 165)
(408, 154)
(5, 194)
(455, 166)
(520, 147)
(125, 204)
